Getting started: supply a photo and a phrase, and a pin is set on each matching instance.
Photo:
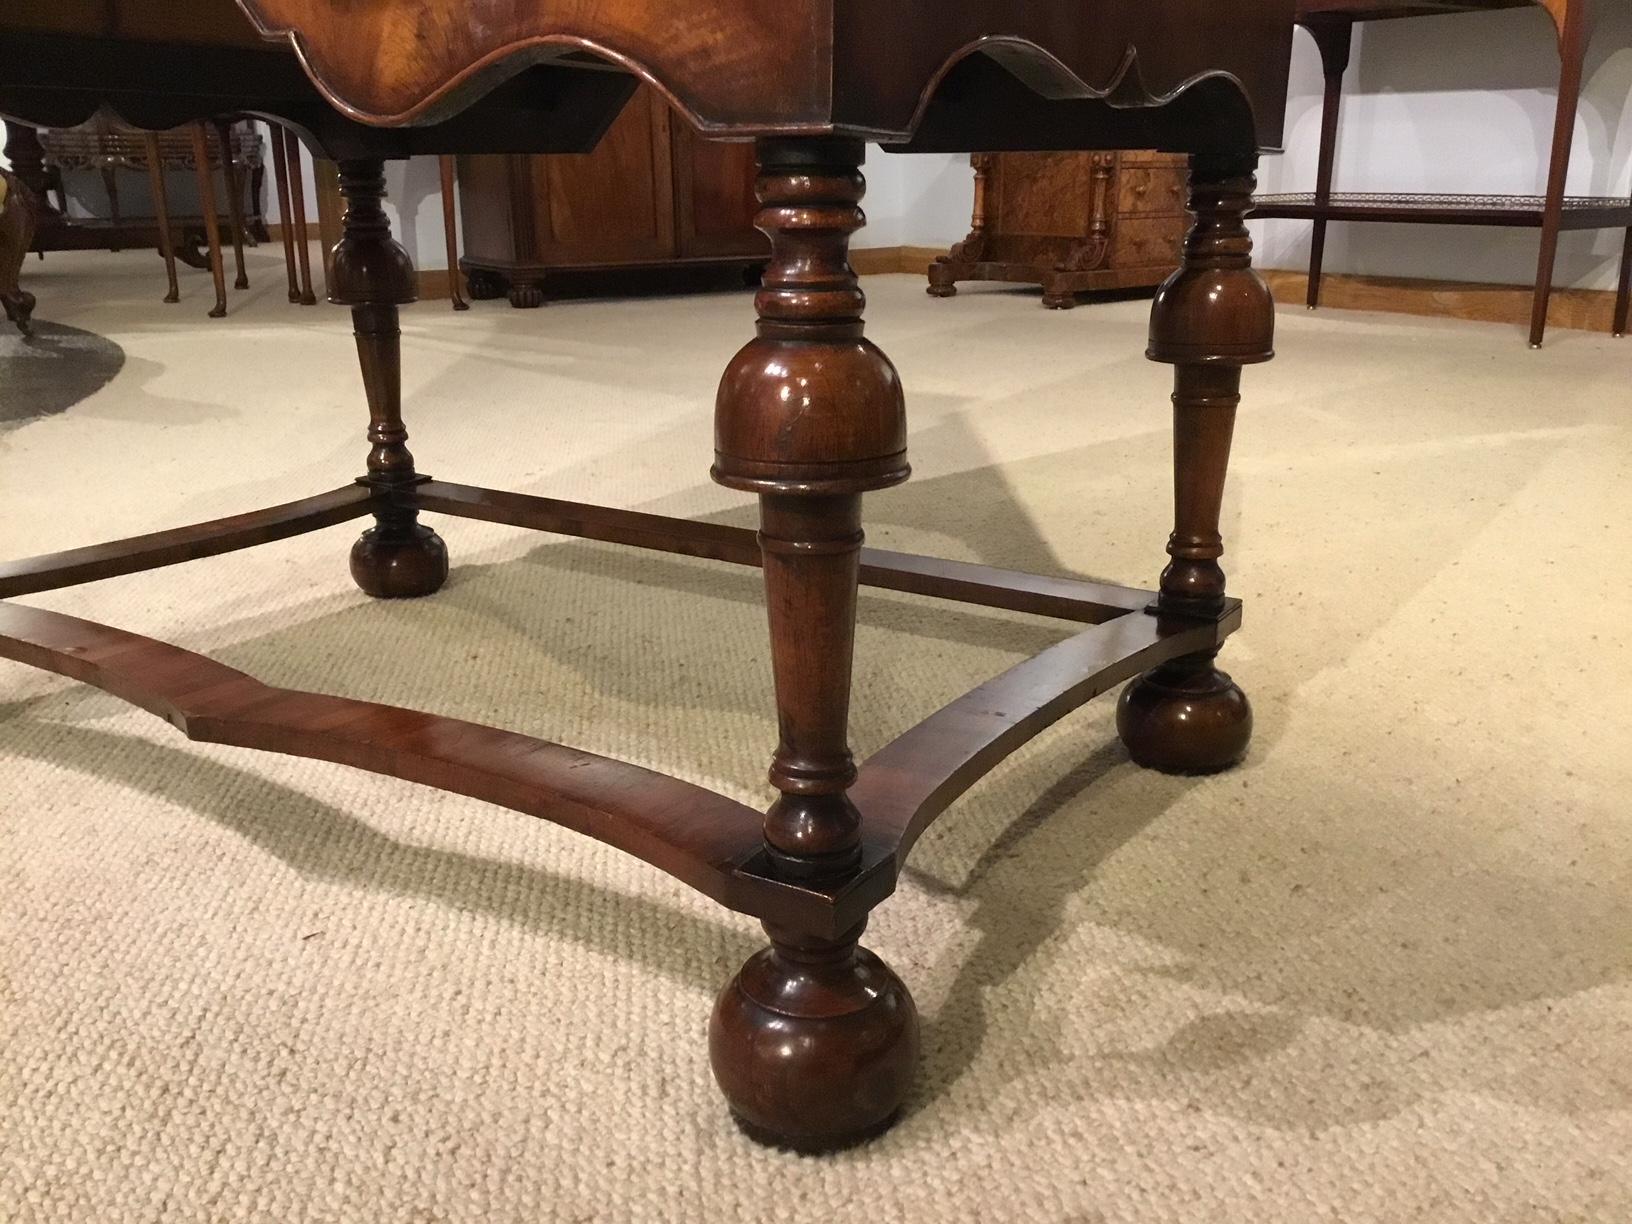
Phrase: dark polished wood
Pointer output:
(1331, 23)
(297, 206)
(1070, 222)
(907, 784)
(814, 1040)
(450, 228)
(16, 235)
(158, 549)
(397, 558)
(107, 147)
(1212, 317)
(212, 228)
(650, 199)
(235, 201)
(286, 227)
(161, 215)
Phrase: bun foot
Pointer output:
(393, 563)
(814, 1044)
(943, 283)
(1181, 718)
(528, 295)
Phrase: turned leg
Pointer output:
(297, 205)
(235, 201)
(1214, 315)
(814, 1041)
(161, 213)
(212, 228)
(398, 557)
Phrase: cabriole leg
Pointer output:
(814, 1040)
(398, 558)
(1213, 316)
(235, 200)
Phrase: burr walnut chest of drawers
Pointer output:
(1071, 222)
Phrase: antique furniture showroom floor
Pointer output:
(1372, 966)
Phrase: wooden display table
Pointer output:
(1331, 24)
(814, 1041)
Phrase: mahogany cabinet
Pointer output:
(651, 195)
(1070, 222)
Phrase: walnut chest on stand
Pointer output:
(1070, 222)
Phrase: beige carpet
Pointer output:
(1383, 972)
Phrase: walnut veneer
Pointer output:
(814, 1041)
(651, 196)
(1071, 222)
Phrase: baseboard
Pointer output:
(875, 261)
(867, 261)
(1583, 309)
(433, 284)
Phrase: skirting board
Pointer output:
(1583, 309)
(868, 261)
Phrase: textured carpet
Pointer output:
(1382, 972)
(51, 370)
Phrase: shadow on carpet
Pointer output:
(52, 370)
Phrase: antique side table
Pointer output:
(1331, 24)
(814, 1041)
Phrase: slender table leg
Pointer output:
(1335, 40)
(110, 184)
(212, 228)
(235, 200)
(398, 558)
(814, 1041)
(297, 204)
(1214, 315)
(161, 212)
(1623, 295)
(1572, 52)
(280, 176)
(450, 231)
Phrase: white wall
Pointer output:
(413, 202)
(1458, 104)
(1449, 104)
(1420, 114)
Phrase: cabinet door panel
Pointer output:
(714, 197)
(615, 204)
